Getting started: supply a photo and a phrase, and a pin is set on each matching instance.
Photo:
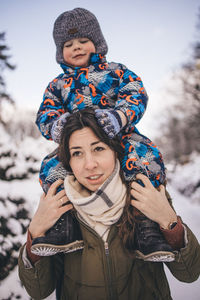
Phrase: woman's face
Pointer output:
(91, 160)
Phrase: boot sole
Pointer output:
(50, 249)
(158, 256)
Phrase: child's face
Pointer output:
(77, 52)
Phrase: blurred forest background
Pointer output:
(178, 139)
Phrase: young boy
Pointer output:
(119, 99)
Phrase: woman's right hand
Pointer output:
(50, 209)
(152, 202)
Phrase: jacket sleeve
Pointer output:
(50, 109)
(132, 96)
(39, 280)
(186, 266)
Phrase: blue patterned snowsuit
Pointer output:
(101, 85)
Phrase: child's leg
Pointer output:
(142, 156)
(51, 170)
(65, 235)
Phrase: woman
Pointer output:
(104, 269)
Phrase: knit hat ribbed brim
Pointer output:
(77, 23)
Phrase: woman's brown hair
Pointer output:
(80, 120)
(86, 118)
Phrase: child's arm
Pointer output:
(130, 105)
(50, 111)
(132, 96)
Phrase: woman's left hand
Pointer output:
(151, 202)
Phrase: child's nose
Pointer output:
(77, 45)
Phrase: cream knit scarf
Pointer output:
(103, 207)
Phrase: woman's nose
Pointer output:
(90, 162)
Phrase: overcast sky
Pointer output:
(151, 37)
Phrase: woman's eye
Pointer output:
(76, 153)
(99, 148)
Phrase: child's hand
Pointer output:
(56, 130)
(110, 121)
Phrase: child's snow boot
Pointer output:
(149, 242)
(65, 236)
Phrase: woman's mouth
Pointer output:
(94, 178)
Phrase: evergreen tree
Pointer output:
(4, 65)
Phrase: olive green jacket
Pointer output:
(104, 271)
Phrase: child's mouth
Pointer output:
(79, 56)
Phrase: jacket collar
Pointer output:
(95, 60)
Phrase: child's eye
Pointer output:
(84, 41)
(67, 45)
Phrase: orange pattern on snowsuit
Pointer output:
(105, 86)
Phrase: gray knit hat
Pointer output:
(77, 23)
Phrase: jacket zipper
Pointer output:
(109, 270)
(107, 254)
